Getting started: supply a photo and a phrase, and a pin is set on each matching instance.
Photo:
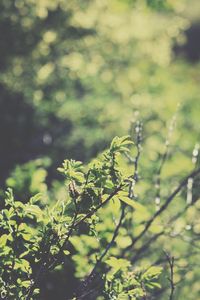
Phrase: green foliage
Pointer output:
(29, 179)
(102, 228)
(35, 241)
(122, 283)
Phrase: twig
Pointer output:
(170, 260)
(84, 285)
(88, 215)
(135, 161)
(146, 246)
(163, 159)
(54, 263)
(163, 207)
(115, 233)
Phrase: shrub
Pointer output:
(99, 228)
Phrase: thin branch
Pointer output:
(146, 246)
(88, 215)
(55, 262)
(115, 233)
(84, 285)
(135, 160)
(163, 207)
(164, 159)
(170, 260)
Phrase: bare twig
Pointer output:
(170, 260)
(164, 206)
(135, 160)
(164, 159)
(146, 245)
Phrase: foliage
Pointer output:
(101, 227)
(29, 179)
(34, 241)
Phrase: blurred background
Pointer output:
(74, 73)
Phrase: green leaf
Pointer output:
(3, 240)
(26, 283)
(35, 198)
(152, 273)
(36, 211)
(152, 285)
(72, 170)
(127, 200)
(9, 197)
(36, 291)
(119, 144)
(23, 265)
(117, 263)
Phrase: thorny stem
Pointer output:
(115, 233)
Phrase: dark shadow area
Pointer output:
(191, 49)
(27, 131)
(23, 136)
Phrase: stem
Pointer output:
(84, 285)
(170, 260)
(163, 207)
(88, 215)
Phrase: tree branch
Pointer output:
(163, 207)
